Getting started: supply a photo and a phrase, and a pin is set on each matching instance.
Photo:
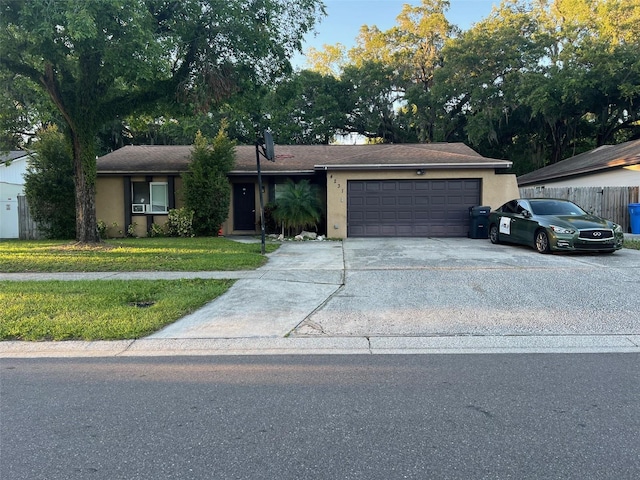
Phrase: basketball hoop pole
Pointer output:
(262, 245)
(268, 153)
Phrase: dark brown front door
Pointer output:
(410, 208)
(244, 206)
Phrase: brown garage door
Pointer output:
(410, 208)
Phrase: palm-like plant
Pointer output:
(298, 206)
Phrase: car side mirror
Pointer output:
(526, 213)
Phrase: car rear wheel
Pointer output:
(542, 242)
(494, 235)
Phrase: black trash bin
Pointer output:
(479, 222)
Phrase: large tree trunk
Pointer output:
(84, 152)
(84, 161)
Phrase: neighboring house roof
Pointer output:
(8, 157)
(303, 158)
(10, 170)
(601, 159)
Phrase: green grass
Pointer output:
(99, 310)
(634, 244)
(112, 310)
(131, 254)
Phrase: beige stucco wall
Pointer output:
(496, 189)
(110, 205)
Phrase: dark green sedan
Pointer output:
(550, 224)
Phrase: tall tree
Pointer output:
(417, 42)
(538, 81)
(478, 85)
(390, 73)
(309, 108)
(100, 59)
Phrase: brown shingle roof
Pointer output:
(303, 158)
(602, 158)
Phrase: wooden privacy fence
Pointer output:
(608, 202)
(27, 227)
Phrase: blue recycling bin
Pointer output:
(634, 217)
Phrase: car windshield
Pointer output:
(555, 207)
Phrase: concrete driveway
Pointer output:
(427, 287)
(423, 288)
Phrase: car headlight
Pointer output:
(617, 228)
(562, 230)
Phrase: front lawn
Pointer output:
(117, 309)
(131, 254)
(99, 310)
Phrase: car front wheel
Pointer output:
(493, 234)
(542, 242)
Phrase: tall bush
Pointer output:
(207, 189)
(49, 185)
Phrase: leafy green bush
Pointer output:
(180, 223)
(102, 229)
(131, 229)
(206, 186)
(157, 230)
(49, 186)
(271, 224)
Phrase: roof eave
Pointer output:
(568, 175)
(271, 172)
(138, 172)
(421, 166)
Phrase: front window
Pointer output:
(555, 207)
(158, 197)
(149, 197)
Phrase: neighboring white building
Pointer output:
(606, 166)
(13, 167)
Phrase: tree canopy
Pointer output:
(535, 82)
(99, 60)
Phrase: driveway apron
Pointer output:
(298, 278)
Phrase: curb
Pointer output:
(325, 346)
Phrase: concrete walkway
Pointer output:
(300, 301)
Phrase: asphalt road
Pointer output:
(322, 417)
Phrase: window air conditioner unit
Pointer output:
(137, 208)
